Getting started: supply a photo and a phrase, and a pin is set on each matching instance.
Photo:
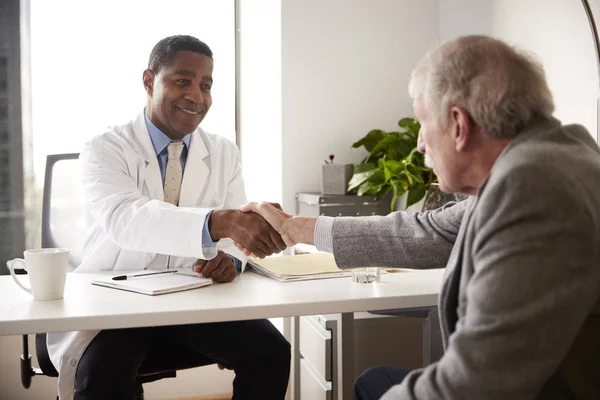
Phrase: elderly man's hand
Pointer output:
(249, 229)
(274, 216)
(221, 268)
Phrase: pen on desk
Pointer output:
(129, 276)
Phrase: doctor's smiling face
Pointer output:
(178, 86)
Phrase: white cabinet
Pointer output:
(316, 345)
(312, 385)
(370, 340)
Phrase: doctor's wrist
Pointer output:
(219, 223)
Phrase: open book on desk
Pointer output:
(298, 267)
(153, 282)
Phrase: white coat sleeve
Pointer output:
(134, 220)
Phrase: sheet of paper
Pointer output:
(299, 265)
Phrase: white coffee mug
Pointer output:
(47, 271)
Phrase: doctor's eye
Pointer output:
(183, 81)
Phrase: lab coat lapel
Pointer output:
(151, 172)
(196, 171)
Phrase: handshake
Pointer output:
(261, 229)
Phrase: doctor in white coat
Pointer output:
(140, 220)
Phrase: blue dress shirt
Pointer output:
(160, 141)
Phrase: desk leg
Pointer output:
(291, 328)
(343, 386)
(436, 346)
(433, 349)
(287, 334)
(426, 340)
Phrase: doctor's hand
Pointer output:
(249, 229)
(292, 229)
(274, 216)
(221, 268)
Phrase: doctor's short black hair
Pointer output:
(164, 52)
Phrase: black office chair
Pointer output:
(63, 223)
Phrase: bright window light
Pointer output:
(87, 60)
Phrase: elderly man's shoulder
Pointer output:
(559, 151)
(559, 166)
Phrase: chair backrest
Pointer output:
(63, 215)
(435, 198)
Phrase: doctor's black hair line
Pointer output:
(164, 52)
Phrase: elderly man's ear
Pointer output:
(462, 127)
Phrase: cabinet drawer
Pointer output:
(312, 386)
(316, 346)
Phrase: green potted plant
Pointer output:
(393, 164)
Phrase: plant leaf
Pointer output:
(394, 168)
(391, 140)
(416, 157)
(369, 188)
(375, 176)
(370, 140)
(399, 186)
(384, 190)
(406, 144)
(393, 164)
(362, 172)
(378, 176)
(360, 168)
(414, 173)
(410, 124)
(415, 194)
(387, 173)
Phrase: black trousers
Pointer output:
(255, 350)
(374, 382)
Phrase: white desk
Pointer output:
(251, 296)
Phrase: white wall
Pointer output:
(556, 33)
(345, 70)
(559, 34)
(464, 17)
(10, 373)
(326, 72)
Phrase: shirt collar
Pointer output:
(159, 139)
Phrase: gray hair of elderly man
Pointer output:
(503, 90)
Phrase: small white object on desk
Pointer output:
(46, 270)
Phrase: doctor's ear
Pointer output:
(148, 80)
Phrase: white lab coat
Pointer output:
(132, 228)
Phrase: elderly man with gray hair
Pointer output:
(520, 302)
